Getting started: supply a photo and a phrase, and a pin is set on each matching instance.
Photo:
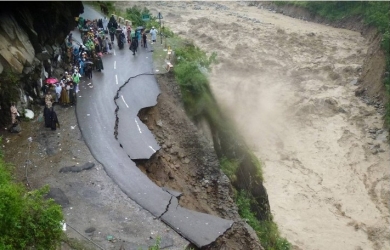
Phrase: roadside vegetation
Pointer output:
(27, 219)
(374, 13)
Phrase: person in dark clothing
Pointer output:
(112, 19)
(54, 119)
(47, 116)
(98, 48)
(134, 45)
(112, 31)
(144, 39)
(72, 93)
(88, 71)
(45, 88)
(100, 41)
(99, 63)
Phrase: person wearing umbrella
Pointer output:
(51, 80)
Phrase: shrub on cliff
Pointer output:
(27, 220)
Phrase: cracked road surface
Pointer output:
(97, 118)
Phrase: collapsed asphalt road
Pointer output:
(109, 110)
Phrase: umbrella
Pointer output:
(88, 62)
(139, 28)
(51, 80)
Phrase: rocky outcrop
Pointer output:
(16, 49)
(31, 35)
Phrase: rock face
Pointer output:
(16, 49)
(27, 27)
(31, 35)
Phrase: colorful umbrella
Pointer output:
(51, 80)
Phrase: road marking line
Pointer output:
(125, 101)
(116, 79)
(152, 149)
(138, 126)
(114, 53)
(115, 65)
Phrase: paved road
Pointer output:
(96, 117)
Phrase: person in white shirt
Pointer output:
(153, 33)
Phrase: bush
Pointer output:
(229, 167)
(267, 231)
(27, 220)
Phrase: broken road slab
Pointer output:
(199, 228)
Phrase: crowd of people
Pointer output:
(82, 59)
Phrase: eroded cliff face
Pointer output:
(31, 35)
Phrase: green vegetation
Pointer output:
(27, 220)
(267, 231)
(373, 13)
(189, 72)
(135, 15)
(229, 167)
(156, 245)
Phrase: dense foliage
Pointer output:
(267, 231)
(27, 219)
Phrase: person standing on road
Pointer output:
(108, 45)
(128, 34)
(153, 34)
(54, 119)
(112, 31)
(144, 39)
(58, 90)
(134, 45)
(76, 79)
(88, 71)
(105, 22)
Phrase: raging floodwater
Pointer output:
(287, 83)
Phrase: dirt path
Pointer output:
(289, 85)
